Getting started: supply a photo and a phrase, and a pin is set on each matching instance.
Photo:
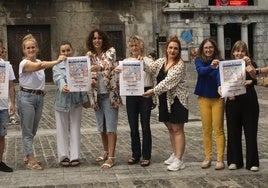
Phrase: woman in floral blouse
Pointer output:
(107, 100)
(173, 98)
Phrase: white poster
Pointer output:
(233, 77)
(78, 73)
(131, 78)
(4, 79)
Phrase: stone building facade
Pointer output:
(52, 21)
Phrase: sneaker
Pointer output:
(219, 165)
(232, 166)
(176, 165)
(206, 163)
(170, 160)
(5, 168)
(254, 168)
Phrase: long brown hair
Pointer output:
(175, 39)
(200, 52)
(106, 43)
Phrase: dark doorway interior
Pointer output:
(15, 34)
(232, 33)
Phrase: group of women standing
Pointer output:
(242, 112)
(164, 79)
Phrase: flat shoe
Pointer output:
(65, 162)
(219, 165)
(74, 163)
(25, 160)
(145, 162)
(132, 161)
(33, 165)
(206, 163)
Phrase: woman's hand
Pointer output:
(95, 68)
(215, 63)
(90, 54)
(219, 91)
(94, 83)
(118, 69)
(148, 93)
(247, 60)
(65, 89)
(251, 70)
(61, 58)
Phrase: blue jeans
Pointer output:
(106, 111)
(30, 107)
(4, 119)
(138, 105)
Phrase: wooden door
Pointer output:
(15, 35)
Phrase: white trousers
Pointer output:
(68, 126)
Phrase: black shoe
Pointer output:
(5, 168)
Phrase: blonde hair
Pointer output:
(27, 38)
(135, 39)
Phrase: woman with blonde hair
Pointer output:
(31, 96)
(139, 106)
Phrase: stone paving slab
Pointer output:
(89, 174)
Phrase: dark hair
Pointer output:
(200, 52)
(153, 55)
(65, 42)
(175, 39)
(106, 43)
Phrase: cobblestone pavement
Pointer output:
(89, 174)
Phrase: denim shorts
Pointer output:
(4, 119)
(105, 110)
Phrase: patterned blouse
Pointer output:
(110, 78)
(173, 84)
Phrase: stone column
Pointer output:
(244, 32)
(220, 38)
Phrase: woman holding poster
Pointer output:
(31, 96)
(211, 105)
(173, 98)
(68, 112)
(106, 84)
(139, 106)
(242, 114)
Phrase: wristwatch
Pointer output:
(257, 70)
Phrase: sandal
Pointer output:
(25, 160)
(103, 157)
(33, 165)
(65, 162)
(109, 163)
(145, 162)
(132, 161)
(74, 163)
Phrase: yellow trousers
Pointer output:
(212, 116)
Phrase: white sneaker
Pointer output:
(176, 165)
(232, 166)
(170, 160)
(254, 168)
